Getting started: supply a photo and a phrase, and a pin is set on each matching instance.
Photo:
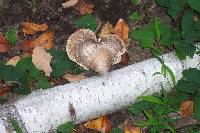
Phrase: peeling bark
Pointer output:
(45, 110)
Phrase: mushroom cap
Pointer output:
(84, 49)
(76, 39)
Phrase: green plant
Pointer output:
(11, 35)
(16, 126)
(66, 127)
(87, 21)
(156, 110)
(190, 83)
(61, 63)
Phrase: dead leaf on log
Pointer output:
(101, 124)
(32, 28)
(106, 29)
(41, 59)
(121, 29)
(13, 61)
(74, 78)
(69, 3)
(4, 46)
(46, 41)
(186, 108)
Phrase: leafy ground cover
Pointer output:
(177, 28)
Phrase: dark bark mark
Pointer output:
(72, 112)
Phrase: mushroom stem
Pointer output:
(102, 61)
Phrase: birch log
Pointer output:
(45, 110)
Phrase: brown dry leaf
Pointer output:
(41, 59)
(106, 29)
(132, 129)
(74, 78)
(121, 29)
(4, 46)
(69, 3)
(13, 61)
(86, 8)
(125, 59)
(5, 90)
(46, 40)
(32, 28)
(186, 108)
(101, 124)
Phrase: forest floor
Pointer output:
(62, 22)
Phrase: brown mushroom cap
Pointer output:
(84, 49)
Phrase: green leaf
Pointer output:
(87, 21)
(135, 16)
(116, 130)
(145, 35)
(188, 26)
(66, 127)
(138, 107)
(173, 6)
(152, 99)
(16, 77)
(197, 106)
(16, 126)
(168, 37)
(176, 100)
(184, 49)
(135, 1)
(195, 4)
(11, 35)
(157, 30)
(61, 63)
(189, 83)
(32, 73)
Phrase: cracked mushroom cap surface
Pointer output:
(90, 53)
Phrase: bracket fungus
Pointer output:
(97, 54)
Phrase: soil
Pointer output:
(14, 12)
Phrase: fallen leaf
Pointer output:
(69, 3)
(5, 90)
(4, 46)
(106, 29)
(11, 35)
(186, 108)
(13, 61)
(101, 124)
(86, 9)
(132, 129)
(74, 78)
(32, 28)
(125, 59)
(46, 41)
(121, 29)
(41, 59)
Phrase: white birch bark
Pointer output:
(44, 110)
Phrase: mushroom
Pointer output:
(90, 53)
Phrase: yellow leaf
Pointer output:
(101, 124)
(107, 29)
(186, 108)
(32, 28)
(13, 61)
(41, 59)
(121, 29)
(132, 129)
(46, 40)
